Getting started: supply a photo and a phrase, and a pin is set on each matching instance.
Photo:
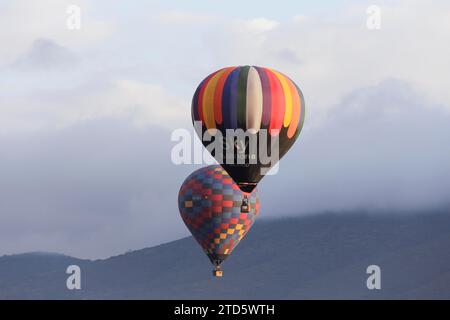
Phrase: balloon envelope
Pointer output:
(261, 100)
(210, 205)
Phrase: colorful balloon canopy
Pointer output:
(211, 206)
(250, 98)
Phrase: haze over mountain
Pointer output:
(318, 256)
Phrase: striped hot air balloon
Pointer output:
(257, 100)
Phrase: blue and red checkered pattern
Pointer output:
(210, 205)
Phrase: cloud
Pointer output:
(330, 55)
(22, 22)
(184, 18)
(382, 148)
(103, 186)
(85, 116)
(92, 190)
(47, 106)
(259, 24)
(143, 104)
(46, 54)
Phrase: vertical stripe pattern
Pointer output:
(249, 98)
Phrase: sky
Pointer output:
(86, 115)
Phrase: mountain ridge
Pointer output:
(316, 256)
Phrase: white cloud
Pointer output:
(24, 21)
(331, 55)
(46, 54)
(258, 24)
(300, 18)
(140, 103)
(184, 18)
(328, 56)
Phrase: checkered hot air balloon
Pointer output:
(262, 102)
(216, 212)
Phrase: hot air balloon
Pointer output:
(261, 100)
(211, 205)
